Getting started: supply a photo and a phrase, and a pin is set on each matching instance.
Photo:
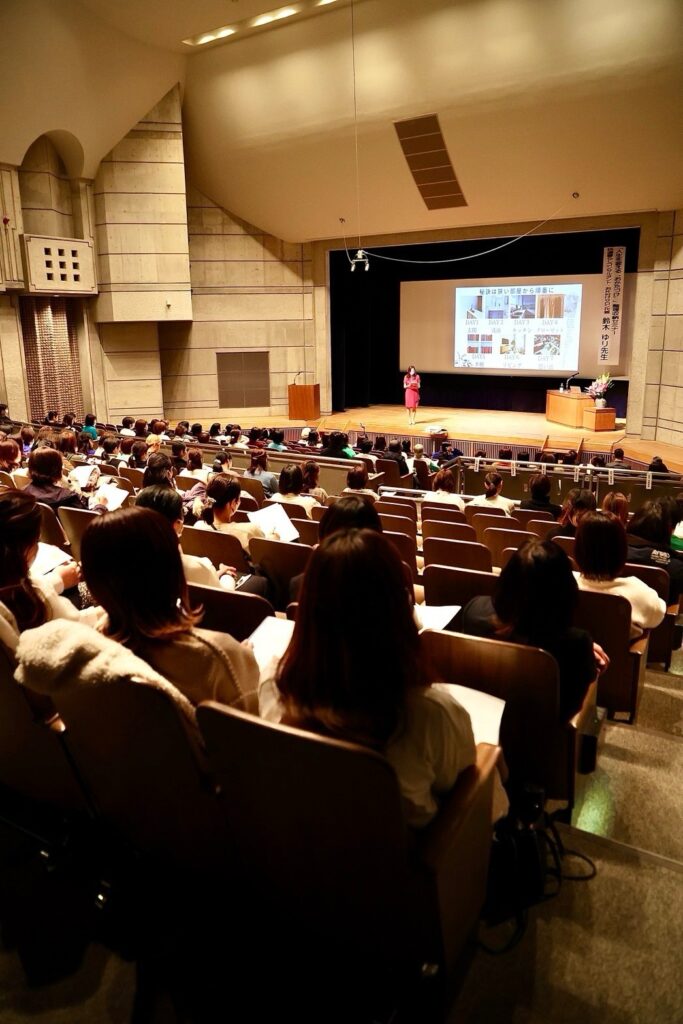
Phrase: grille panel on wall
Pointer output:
(58, 265)
(51, 351)
(243, 379)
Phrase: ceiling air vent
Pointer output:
(424, 148)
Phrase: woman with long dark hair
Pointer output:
(492, 497)
(258, 470)
(334, 682)
(534, 604)
(132, 565)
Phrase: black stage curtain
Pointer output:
(365, 317)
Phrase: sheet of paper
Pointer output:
(274, 519)
(271, 639)
(82, 475)
(115, 495)
(435, 616)
(48, 558)
(484, 710)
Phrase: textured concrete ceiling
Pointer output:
(536, 99)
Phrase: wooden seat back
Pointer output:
(448, 531)
(393, 507)
(338, 867)
(662, 636)
(144, 771)
(538, 748)
(540, 527)
(51, 531)
(406, 548)
(219, 548)
(423, 475)
(460, 554)
(134, 475)
(482, 522)
(293, 510)
(498, 540)
(567, 544)
(281, 562)
(33, 763)
(525, 515)
(399, 524)
(254, 487)
(441, 513)
(607, 618)
(309, 531)
(445, 585)
(229, 611)
(392, 476)
(75, 521)
(479, 510)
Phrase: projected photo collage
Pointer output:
(517, 327)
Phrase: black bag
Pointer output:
(524, 869)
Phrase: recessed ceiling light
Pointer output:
(324, 3)
(305, 8)
(210, 37)
(223, 32)
(282, 12)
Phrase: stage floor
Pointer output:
(530, 428)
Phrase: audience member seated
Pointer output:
(52, 419)
(27, 436)
(10, 456)
(89, 426)
(420, 456)
(311, 471)
(277, 441)
(258, 470)
(131, 564)
(27, 601)
(45, 468)
(332, 681)
(534, 604)
(127, 427)
(658, 465)
(618, 461)
(539, 489)
(335, 446)
(600, 553)
(575, 504)
(314, 439)
(443, 487)
(159, 470)
(169, 504)
(219, 506)
(492, 497)
(395, 453)
(195, 466)
(380, 445)
(140, 427)
(365, 449)
(616, 503)
(649, 543)
(290, 486)
(111, 452)
(138, 455)
(85, 444)
(67, 444)
(357, 483)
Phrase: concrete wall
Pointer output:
(250, 291)
(142, 243)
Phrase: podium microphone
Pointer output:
(571, 378)
(297, 374)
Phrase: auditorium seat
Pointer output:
(329, 867)
(309, 531)
(497, 541)
(253, 487)
(134, 475)
(525, 515)
(228, 611)
(478, 510)
(540, 526)
(423, 475)
(107, 470)
(6, 479)
(441, 512)
(567, 545)
(75, 521)
(483, 521)
(537, 747)
(662, 637)
(447, 585)
(392, 476)
(399, 524)
(607, 617)
(51, 531)
(219, 548)
(405, 545)
(317, 512)
(281, 562)
(459, 553)
(395, 506)
(448, 531)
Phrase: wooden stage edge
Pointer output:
(491, 425)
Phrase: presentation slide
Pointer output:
(522, 327)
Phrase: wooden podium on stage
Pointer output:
(304, 401)
(567, 407)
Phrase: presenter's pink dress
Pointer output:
(412, 391)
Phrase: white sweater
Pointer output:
(647, 609)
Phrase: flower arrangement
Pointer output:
(600, 386)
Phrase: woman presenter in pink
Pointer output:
(411, 387)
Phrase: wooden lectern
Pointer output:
(567, 407)
(304, 401)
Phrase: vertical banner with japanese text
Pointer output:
(613, 263)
